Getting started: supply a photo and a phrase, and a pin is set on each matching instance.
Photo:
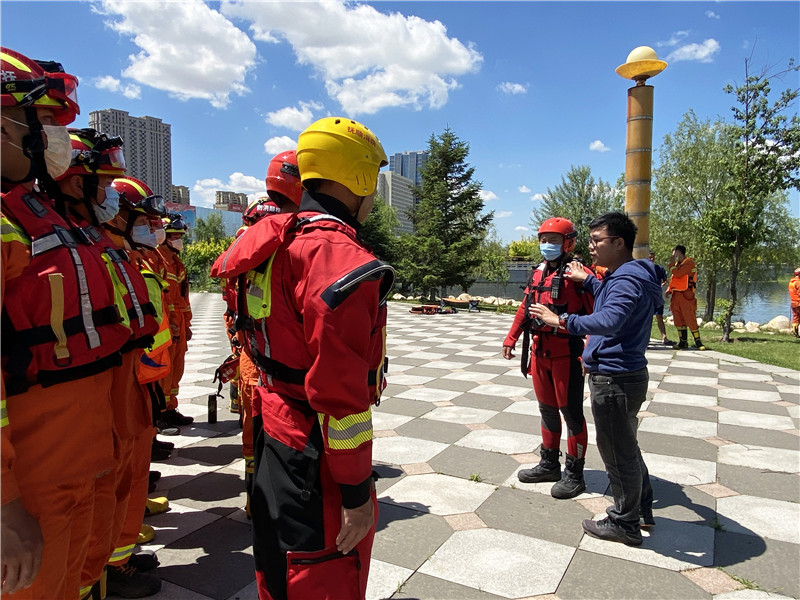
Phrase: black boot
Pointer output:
(681, 345)
(571, 483)
(698, 344)
(548, 469)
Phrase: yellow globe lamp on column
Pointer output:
(642, 63)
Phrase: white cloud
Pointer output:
(509, 165)
(537, 197)
(186, 48)
(712, 15)
(675, 39)
(294, 118)
(521, 228)
(487, 196)
(275, 145)
(370, 60)
(203, 189)
(112, 84)
(598, 146)
(703, 53)
(503, 214)
(524, 189)
(508, 87)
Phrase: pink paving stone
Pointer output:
(717, 441)
(717, 490)
(528, 457)
(595, 505)
(477, 426)
(783, 403)
(792, 432)
(464, 521)
(443, 403)
(384, 433)
(542, 597)
(713, 581)
(644, 414)
(716, 408)
(417, 468)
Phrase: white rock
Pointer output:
(778, 323)
(711, 325)
(464, 297)
(699, 321)
(398, 296)
(786, 331)
(740, 330)
(491, 300)
(752, 327)
(736, 324)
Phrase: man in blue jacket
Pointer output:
(619, 331)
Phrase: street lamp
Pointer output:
(641, 64)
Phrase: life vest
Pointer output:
(141, 313)
(62, 318)
(682, 283)
(794, 291)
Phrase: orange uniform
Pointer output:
(794, 300)
(180, 316)
(56, 441)
(683, 304)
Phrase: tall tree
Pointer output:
(493, 267)
(379, 231)
(580, 199)
(689, 187)
(766, 160)
(449, 222)
(209, 229)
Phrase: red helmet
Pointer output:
(95, 153)
(137, 196)
(42, 84)
(283, 177)
(259, 208)
(797, 272)
(562, 226)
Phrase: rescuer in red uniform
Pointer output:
(794, 301)
(319, 296)
(555, 366)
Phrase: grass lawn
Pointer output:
(772, 349)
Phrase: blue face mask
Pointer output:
(109, 208)
(550, 251)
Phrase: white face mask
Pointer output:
(176, 245)
(141, 234)
(161, 235)
(58, 153)
(109, 208)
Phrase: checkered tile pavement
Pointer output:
(719, 435)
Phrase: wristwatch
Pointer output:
(562, 320)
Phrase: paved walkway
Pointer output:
(719, 435)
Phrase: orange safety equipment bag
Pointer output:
(61, 318)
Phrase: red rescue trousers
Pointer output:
(684, 309)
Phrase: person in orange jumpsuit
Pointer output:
(794, 301)
(62, 334)
(180, 317)
(284, 191)
(96, 161)
(683, 303)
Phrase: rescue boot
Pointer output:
(128, 582)
(571, 483)
(144, 560)
(548, 469)
(175, 418)
(795, 331)
(158, 452)
(681, 345)
(698, 344)
(155, 506)
(234, 394)
(248, 484)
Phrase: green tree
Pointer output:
(580, 199)
(198, 258)
(766, 160)
(527, 247)
(378, 231)
(493, 267)
(689, 188)
(210, 228)
(449, 222)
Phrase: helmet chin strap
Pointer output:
(33, 147)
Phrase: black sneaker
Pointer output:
(157, 453)
(154, 476)
(606, 529)
(646, 519)
(163, 445)
(174, 418)
(128, 582)
(144, 560)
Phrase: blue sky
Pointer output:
(529, 85)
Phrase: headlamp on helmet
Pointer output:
(174, 223)
(95, 153)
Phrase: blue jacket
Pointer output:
(619, 327)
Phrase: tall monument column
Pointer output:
(641, 64)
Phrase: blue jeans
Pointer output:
(616, 400)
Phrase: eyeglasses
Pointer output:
(593, 241)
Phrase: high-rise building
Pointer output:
(147, 146)
(409, 164)
(180, 194)
(230, 201)
(396, 192)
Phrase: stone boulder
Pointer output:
(464, 297)
(752, 327)
(711, 325)
(737, 324)
(778, 323)
(491, 300)
(398, 296)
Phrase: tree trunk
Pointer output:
(711, 296)
(726, 329)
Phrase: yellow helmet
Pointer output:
(341, 150)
